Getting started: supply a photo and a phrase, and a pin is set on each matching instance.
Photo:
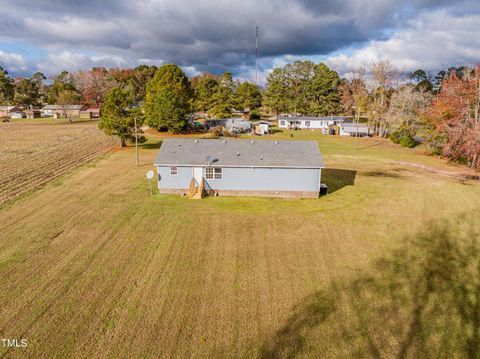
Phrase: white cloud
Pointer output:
(13, 62)
(73, 61)
(434, 41)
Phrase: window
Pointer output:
(213, 173)
(307, 123)
(173, 170)
(282, 123)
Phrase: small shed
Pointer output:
(35, 113)
(94, 112)
(354, 129)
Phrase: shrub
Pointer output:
(218, 131)
(404, 136)
(255, 115)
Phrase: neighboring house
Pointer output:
(309, 123)
(354, 129)
(261, 128)
(17, 115)
(8, 111)
(59, 111)
(235, 125)
(239, 167)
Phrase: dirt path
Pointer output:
(459, 174)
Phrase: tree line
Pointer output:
(444, 107)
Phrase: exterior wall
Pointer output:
(251, 180)
(302, 124)
(351, 131)
(180, 181)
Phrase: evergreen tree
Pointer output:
(26, 93)
(275, 94)
(167, 102)
(324, 91)
(204, 92)
(118, 117)
(223, 100)
(6, 87)
(248, 96)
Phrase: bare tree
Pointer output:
(385, 78)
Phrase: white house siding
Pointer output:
(305, 124)
(247, 179)
(352, 130)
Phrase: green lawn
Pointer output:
(93, 266)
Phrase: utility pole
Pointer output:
(136, 140)
(256, 54)
(357, 113)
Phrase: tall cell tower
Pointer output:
(256, 53)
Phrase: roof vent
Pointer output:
(179, 144)
(261, 157)
(224, 141)
(276, 142)
(238, 153)
(197, 141)
(253, 141)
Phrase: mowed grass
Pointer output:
(94, 266)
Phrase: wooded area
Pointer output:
(442, 110)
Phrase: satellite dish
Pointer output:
(150, 174)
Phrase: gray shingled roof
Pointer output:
(239, 153)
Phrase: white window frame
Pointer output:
(307, 123)
(173, 170)
(215, 175)
(282, 123)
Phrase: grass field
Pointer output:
(93, 266)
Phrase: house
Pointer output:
(8, 111)
(239, 167)
(62, 110)
(354, 129)
(20, 114)
(261, 127)
(50, 110)
(234, 125)
(309, 123)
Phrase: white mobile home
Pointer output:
(309, 123)
(240, 167)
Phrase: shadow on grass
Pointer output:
(373, 145)
(382, 174)
(336, 179)
(150, 145)
(422, 301)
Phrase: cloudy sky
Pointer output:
(215, 36)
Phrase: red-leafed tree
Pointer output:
(455, 118)
(94, 85)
